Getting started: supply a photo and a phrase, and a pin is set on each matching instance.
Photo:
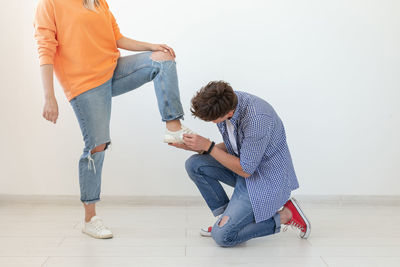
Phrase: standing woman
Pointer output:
(79, 40)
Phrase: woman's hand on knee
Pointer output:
(163, 48)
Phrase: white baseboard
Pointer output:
(337, 200)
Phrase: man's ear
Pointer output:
(231, 113)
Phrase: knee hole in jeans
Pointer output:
(223, 221)
(161, 56)
(100, 148)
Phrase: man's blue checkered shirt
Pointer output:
(263, 153)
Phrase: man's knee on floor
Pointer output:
(161, 56)
(221, 234)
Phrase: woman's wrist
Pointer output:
(49, 96)
(150, 47)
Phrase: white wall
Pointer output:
(330, 68)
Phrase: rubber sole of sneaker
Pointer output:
(306, 220)
(98, 237)
(172, 140)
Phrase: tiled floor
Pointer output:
(150, 235)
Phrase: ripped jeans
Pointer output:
(207, 173)
(93, 111)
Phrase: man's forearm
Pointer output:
(222, 146)
(133, 45)
(229, 161)
(197, 142)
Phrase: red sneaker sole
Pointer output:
(306, 220)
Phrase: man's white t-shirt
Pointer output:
(231, 135)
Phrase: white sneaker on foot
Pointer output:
(206, 232)
(95, 228)
(176, 137)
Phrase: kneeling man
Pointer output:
(254, 159)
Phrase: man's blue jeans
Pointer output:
(207, 173)
(93, 111)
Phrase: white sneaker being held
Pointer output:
(176, 137)
(95, 228)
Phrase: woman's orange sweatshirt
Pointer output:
(80, 43)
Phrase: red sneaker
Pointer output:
(206, 232)
(299, 219)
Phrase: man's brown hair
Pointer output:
(213, 101)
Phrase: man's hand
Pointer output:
(182, 146)
(196, 142)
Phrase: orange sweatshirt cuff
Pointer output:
(46, 60)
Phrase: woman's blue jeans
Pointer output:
(93, 111)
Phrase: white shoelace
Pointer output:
(98, 225)
(294, 226)
(187, 130)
